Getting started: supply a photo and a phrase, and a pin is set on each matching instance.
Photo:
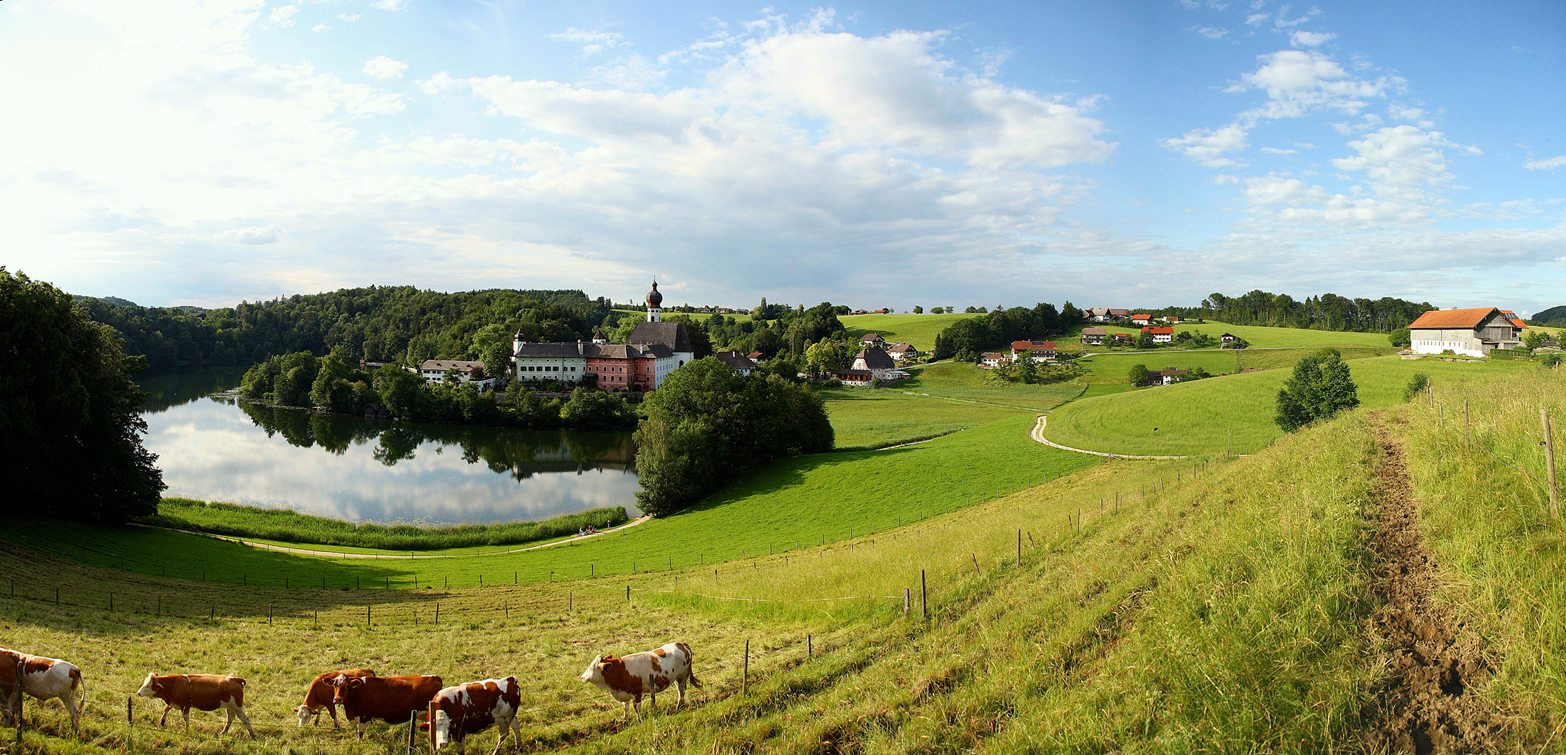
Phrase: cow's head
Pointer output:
(149, 687)
(342, 684)
(305, 714)
(440, 729)
(595, 670)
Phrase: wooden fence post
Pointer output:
(744, 675)
(1465, 425)
(976, 570)
(810, 648)
(367, 615)
(570, 601)
(1019, 549)
(1549, 463)
(437, 612)
(906, 600)
(924, 597)
(430, 712)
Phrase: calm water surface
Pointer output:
(219, 449)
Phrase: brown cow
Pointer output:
(627, 679)
(473, 707)
(45, 679)
(199, 691)
(392, 699)
(10, 669)
(322, 695)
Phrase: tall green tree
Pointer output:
(1320, 387)
(70, 422)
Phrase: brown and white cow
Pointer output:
(629, 677)
(199, 691)
(392, 699)
(45, 679)
(473, 707)
(322, 695)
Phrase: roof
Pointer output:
(870, 337)
(1095, 331)
(654, 299)
(754, 355)
(554, 350)
(875, 359)
(1469, 318)
(670, 334)
(1141, 316)
(1169, 372)
(1516, 321)
(901, 348)
(735, 360)
(991, 356)
(1162, 330)
(1116, 311)
(1120, 334)
(461, 365)
(1032, 345)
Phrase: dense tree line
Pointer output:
(70, 423)
(707, 426)
(334, 384)
(967, 338)
(1554, 317)
(399, 324)
(1324, 312)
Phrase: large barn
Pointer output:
(1471, 332)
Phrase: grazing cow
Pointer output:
(199, 691)
(45, 679)
(10, 670)
(389, 698)
(322, 695)
(473, 707)
(628, 678)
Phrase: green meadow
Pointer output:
(919, 330)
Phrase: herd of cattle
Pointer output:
(451, 713)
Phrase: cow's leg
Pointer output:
(244, 719)
(165, 718)
(331, 709)
(504, 725)
(70, 707)
(230, 722)
(186, 711)
(680, 703)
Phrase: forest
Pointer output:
(1323, 312)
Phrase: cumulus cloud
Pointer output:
(390, 6)
(382, 67)
(283, 16)
(1303, 38)
(592, 41)
(1548, 163)
(1298, 82)
(1210, 147)
(1210, 32)
(252, 235)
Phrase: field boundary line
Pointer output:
(394, 556)
(1038, 435)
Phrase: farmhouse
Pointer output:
(1471, 332)
(1120, 337)
(1160, 334)
(1142, 319)
(467, 371)
(1094, 336)
(854, 378)
(741, 364)
(901, 351)
(992, 359)
(1168, 376)
(876, 361)
(871, 339)
(1041, 351)
(1228, 338)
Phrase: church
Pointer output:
(654, 350)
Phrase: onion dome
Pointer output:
(654, 299)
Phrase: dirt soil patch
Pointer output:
(1425, 704)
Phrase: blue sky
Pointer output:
(874, 154)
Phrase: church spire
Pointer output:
(654, 303)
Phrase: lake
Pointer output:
(215, 448)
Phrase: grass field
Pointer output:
(919, 330)
(1235, 412)
(1113, 367)
(1255, 335)
(1216, 611)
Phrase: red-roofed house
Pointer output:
(1472, 332)
(1160, 334)
(1141, 318)
(1041, 351)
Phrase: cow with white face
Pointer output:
(629, 677)
(473, 707)
(46, 679)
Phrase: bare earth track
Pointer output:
(1424, 705)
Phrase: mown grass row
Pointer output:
(282, 525)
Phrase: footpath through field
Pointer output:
(409, 556)
(1038, 435)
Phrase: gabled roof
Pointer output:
(901, 348)
(460, 365)
(1117, 311)
(1032, 345)
(1171, 372)
(554, 350)
(735, 360)
(1439, 319)
(1161, 330)
(871, 338)
(1516, 321)
(993, 356)
(670, 334)
(1141, 316)
(875, 359)
(1095, 331)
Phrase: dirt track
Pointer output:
(1424, 705)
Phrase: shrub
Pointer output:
(1320, 387)
(1416, 385)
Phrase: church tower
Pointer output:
(654, 304)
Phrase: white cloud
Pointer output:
(1279, 151)
(1548, 163)
(1304, 38)
(592, 41)
(252, 235)
(1257, 19)
(390, 6)
(349, 17)
(1210, 32)
(283, 16)
(438, 84)
(318, 28)
(1298, 82)
(1210, 147)
(382, 67)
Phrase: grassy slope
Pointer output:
(1246, 576)
(800, 500)
(1200, 417)
(1113, 367)
(919, 330)
(1260, 335)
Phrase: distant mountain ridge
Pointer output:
(1551, 316)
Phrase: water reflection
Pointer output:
(364, 470)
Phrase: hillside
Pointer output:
(1150, 607)
(919, 330)
(1554, 316)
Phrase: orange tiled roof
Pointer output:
(1472, 317)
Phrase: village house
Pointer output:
(901, 351)
(466, 371)
(1168, 376)
(1471, 332)
(1141, 319)
(1094, 336)
(1228, 338)
(871, 340)
(1121, 337)
(877, 361)
(756, 356)
(1172, 319)
(1160, 333)
(654, 350)
(1040, 351)
(989, 360)
(1117, 315)
(741, 364)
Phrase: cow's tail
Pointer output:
(81, 689)
(690, 664)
